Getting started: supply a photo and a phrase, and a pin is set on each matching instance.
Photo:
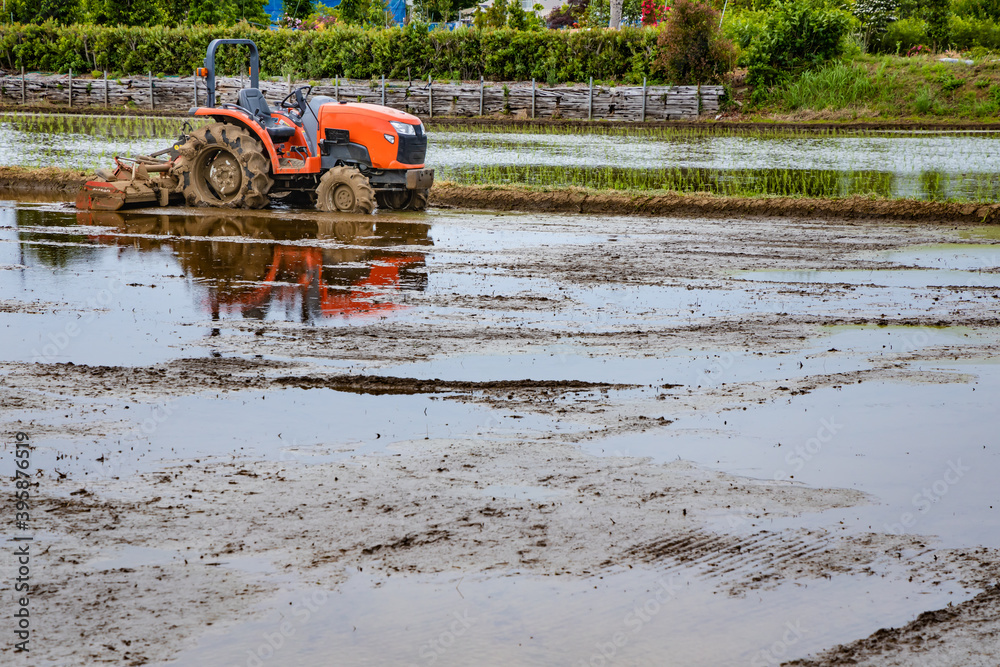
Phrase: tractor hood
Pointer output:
(369, 111)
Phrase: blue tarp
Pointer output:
(396, 7)
(273, 8)
(398, 10)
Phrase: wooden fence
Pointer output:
(424, 98)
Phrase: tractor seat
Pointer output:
(253, 101)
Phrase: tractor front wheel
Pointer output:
(223, 165)
(345, 190)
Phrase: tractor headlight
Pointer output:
(403, 128)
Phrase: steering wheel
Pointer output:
(300, 104)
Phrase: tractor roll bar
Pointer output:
(210, 64)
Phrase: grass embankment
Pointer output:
(884, 88)
(62, 182)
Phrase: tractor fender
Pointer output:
(240, 119)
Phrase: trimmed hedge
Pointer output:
(501, 55)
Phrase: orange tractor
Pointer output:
(346, 157)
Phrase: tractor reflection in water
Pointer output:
(263, 267)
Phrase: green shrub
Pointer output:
(797, 35)
(902, 35)
(951, 83)
(977, 9)
(874, 16)
(968, 33)
(743, 28)
(939, 23)
(964, 33)
(692, 48)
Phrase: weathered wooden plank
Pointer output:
(450, 98)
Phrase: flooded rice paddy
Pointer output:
(947, 166)
(462, 438)
(921, 166)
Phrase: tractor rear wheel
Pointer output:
(345, 190)
(223, 165)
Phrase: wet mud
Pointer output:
(233, 412)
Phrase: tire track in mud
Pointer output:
(766, 558)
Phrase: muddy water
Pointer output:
(772, 377)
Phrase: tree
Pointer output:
(692, 48)
(616, 13)
(39, 11)
(363, 12)
(568, 14)
(126, 12)
(598, 14)
(227, 12)
(939, 23)
(496, 15)
(299, 9)
(177, 11)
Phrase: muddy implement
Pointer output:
(130, 184)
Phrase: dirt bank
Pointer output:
(575, 200)
(41, 180)
(966, 634)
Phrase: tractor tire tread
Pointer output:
(257, 181)
(364, 195)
